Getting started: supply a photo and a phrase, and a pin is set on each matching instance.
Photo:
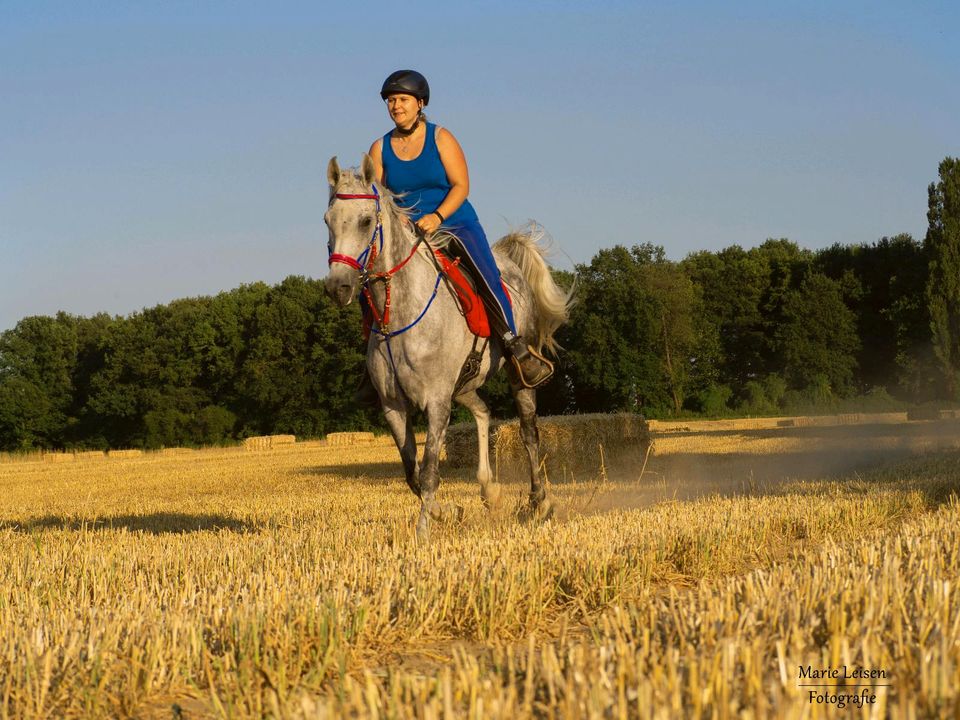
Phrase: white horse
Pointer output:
(420, 340)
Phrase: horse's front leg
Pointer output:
(438, 417)
(540, 506)
(401, 427)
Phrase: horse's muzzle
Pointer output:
(340, 290)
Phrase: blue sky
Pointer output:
(150, 151)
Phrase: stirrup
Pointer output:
(532, 368)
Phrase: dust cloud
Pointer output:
(688, 465)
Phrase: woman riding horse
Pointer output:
(426, 167)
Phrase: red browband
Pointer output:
(344, 196)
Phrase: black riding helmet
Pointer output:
(408, 82)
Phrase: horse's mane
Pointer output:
(350, 181)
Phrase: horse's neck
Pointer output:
(412, 284)
(398, 242)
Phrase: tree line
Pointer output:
(754, 331)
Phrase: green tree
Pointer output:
(732, 284)
(943, 286)
(883, 283)
(635, 340)
(37, 362)
(683, 341)
(743, 294)
(818, 338)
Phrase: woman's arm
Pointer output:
(455, 165)
(376, 154)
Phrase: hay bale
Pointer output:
(351, 438)
(567, 442)
(124, 453)
(729, 425)
(58, 457)
(258, 442)
(887, 418)
(91, 455)
(924, 413)
(266, 442)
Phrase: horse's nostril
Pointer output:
(344, 294)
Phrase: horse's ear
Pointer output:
(333, 172)
(367, 171)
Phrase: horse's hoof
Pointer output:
(447, 513)
(423, 533)
(536, 513)
(490, 495)
(546, 509)
(435, 511)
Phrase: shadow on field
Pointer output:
(154, 523)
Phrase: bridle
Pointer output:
(358, 263)
(363, 264)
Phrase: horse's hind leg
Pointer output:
(489, 490)
(540, 505)
(398, 418)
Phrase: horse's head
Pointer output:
(352, 219)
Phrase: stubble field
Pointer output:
(288, 583)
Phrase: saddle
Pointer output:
(464, 286)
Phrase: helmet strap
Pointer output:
(400, 132)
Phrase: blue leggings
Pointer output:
(474, 242)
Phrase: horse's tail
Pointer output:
(552, 303)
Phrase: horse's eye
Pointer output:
(365, 222)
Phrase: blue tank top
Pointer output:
(423, 179)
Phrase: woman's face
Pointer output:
(403, 109)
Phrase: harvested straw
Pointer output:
(567, 442)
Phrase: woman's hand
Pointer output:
(428, 224)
